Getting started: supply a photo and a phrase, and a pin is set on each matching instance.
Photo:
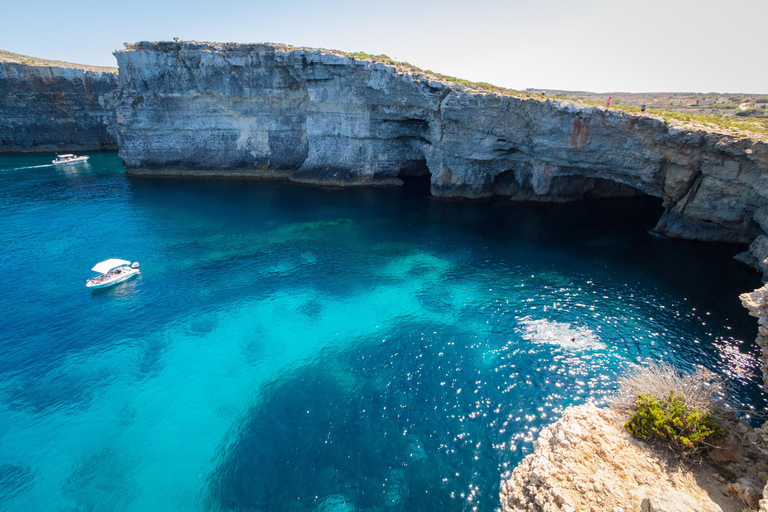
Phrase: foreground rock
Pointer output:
(57, 107)
(586, 461)
(318, 116)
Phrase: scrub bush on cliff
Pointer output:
(669, 419)
(665, 405)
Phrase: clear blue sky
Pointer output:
(596, 45)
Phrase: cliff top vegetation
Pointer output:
(680, 409)
(733, 111)
(34, 61)
(736, 114)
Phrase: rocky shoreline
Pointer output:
(586, 461)
(757, 304)
(328, 118)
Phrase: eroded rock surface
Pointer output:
(55, 108)
(587, 461)
(756, 303)
(317, 116)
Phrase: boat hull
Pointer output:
(72, 161)
(106, 283)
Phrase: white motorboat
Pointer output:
(111, 272)
(68, 159)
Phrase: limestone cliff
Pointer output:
(55, 107)
(319, 116)
(587, 461)
(757, 304)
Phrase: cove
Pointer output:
(301, 348)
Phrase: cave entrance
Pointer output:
(416, 177)
(583, 197)
(561, 188)
(505, 184)
(602, 187)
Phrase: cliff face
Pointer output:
(757, 304)
(49, 108)
(311, 115)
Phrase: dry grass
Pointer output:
(700, 391)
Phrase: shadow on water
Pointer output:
(611, 236)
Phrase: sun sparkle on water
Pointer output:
(291, 348)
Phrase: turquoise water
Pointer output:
(294, 348)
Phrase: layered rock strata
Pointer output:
(587, 461)
(318, 116)
(55, 108)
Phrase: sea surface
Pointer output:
(290, 348)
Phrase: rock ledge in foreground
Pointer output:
(587, 462)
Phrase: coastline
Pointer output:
(587, 461)
(457, 176)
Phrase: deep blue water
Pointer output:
(295, 348)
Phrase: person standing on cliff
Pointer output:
(642, 109)
(608, 103)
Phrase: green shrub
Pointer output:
(671, 420)
(751, 112)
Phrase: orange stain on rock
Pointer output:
(580, 133)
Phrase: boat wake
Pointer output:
(27, 167)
